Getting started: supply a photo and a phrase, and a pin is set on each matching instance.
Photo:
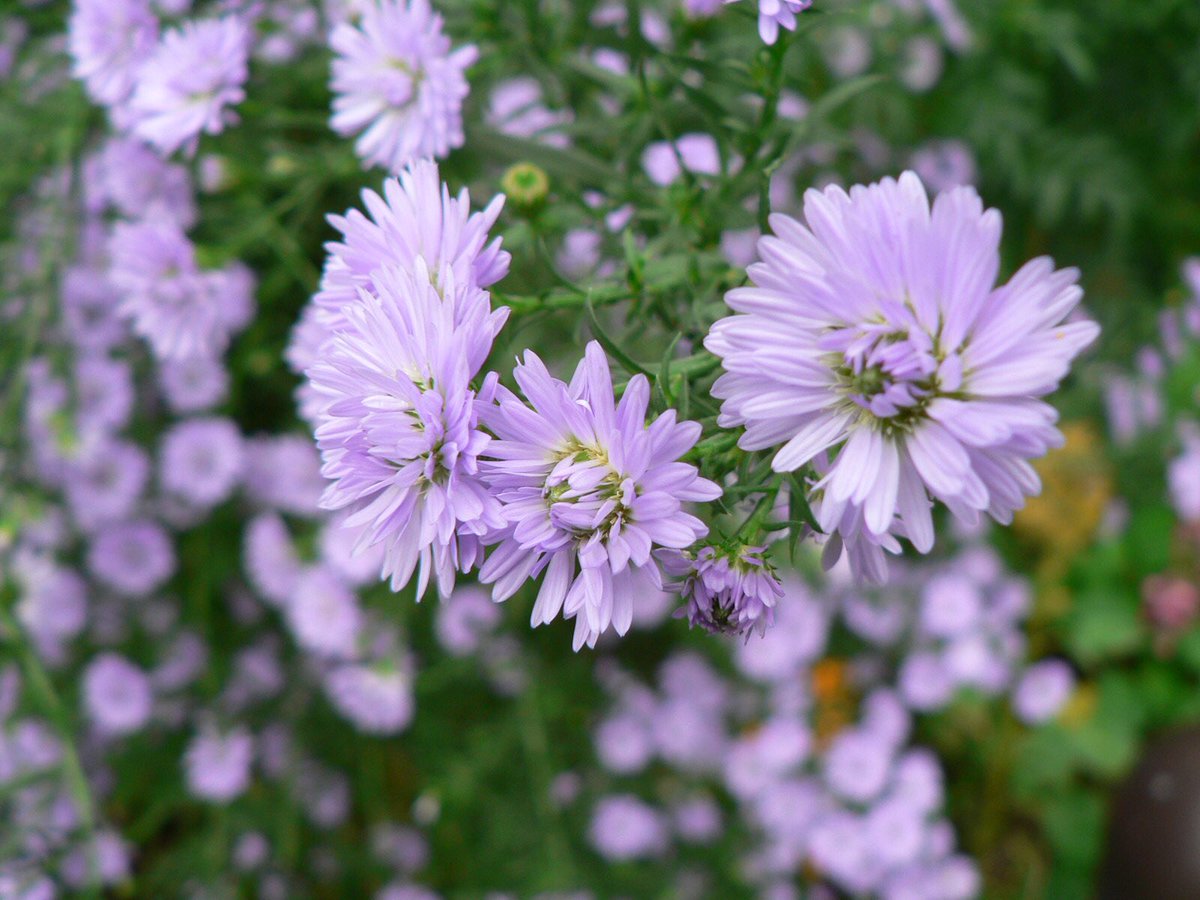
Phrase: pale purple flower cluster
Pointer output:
(398, 84)
(218, 764)
(957, 625)
(182, 311)
(588, 489)
(861, 813)
(165, 89)
(119, 475)
(727, 591)
(186, 87)
(875, 347)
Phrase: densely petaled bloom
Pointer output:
(171, 303)
(377, 698)
(218, 765)
(323, 614)
(130, 178)
(116, 695)
(588, 490)
(877, 331)
(1043, 690)
(400, 436)
(109, 40)
(416, 218)
(184, 89)
(776, 14)
(397, 80)
(133, 558)
(727, 592)
(201, 460)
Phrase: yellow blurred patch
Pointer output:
(1077, 486)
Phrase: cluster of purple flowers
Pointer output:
(955, 625)
(165, 87)
(118, 471)
(433, 469)
(859, 811)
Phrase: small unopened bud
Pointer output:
(526, 185)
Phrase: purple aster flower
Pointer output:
(103, 859)
(1042, 691)
(776, 14)
(759, 759)
(109, 40)
(697, 820)
(917, 781)
(465, 619)
(183, 90)
(951, 605)
(129, 177)
(106, 483)
(251, 851)
(116, 695)
(339, 550)
(416, 218)
(217, 765)
(201, 460)
(624, 827)
(897, 832)
(925, 682)
(1183, 481)
(52, 604)
(270, 559)
(857, 764)
(183, 661)
(839, 849)
(134, 558)
(194, 383)
(877, 331)
(284, 472)
(944, 165)
(588, 490)
(377, 698)
(232, 288)
(701, 8)
(323, 614)
(625, 742)
(698, 152)
(169, 301)
(516, 107)
(727, 591)
(398, 82)
(89, 309)
(324, 794)
(103, 393)
(400, 435)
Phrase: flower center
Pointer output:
(890, 373)
(400, 83)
